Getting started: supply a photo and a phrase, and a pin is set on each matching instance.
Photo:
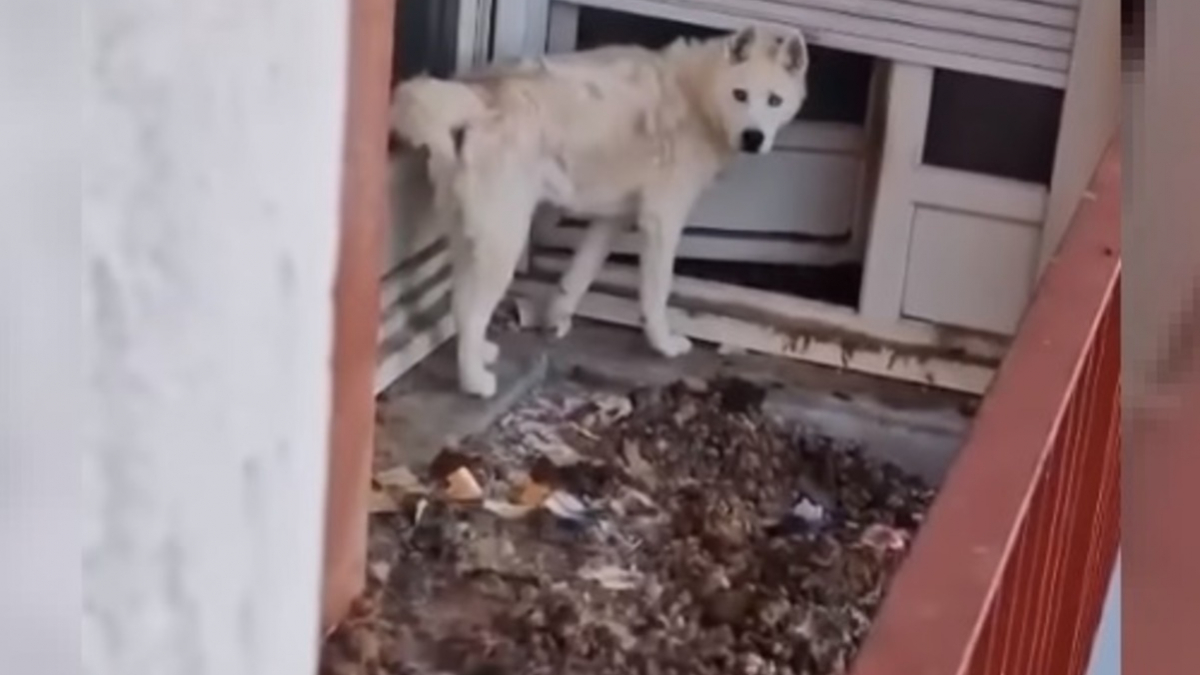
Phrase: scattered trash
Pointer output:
(612, 577)
(447, 462)
(553, 449)
(685, 413)
(533, 494)
(461, 486)
(379, 501)
(507, 510)
(401, 478)
(605, 410)
(566, 506)
(646, 398)
(584, 478)
(419, 511)
(695, 385)
(613, 408)
(810, 512)
(380, 569)
(882, 538)
(630, 534)
(393, 489)
(639, 468)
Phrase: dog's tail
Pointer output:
(435, 114)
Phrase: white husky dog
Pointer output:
(622, 136)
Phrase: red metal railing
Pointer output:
(1010, 572)
(1047, 606)
(356, 306)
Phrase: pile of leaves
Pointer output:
(669, 531)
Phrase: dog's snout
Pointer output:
(752, 140)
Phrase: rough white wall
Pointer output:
(39, 338)
(214, 134)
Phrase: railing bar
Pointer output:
(1105, 528)
(1102, 523)
(1069, 603)
(1045, 527)
(1060, 512)
(988, 635)
(1021, 572)
(1102, 508)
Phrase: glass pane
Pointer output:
(425, 34)
(993, 126)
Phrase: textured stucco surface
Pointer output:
(214, 134)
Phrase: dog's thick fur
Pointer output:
(619, 135)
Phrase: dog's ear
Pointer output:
(792, 52)
(740, 44)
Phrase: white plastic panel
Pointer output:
(787, 191)
(970, 271)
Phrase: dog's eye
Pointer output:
(774, 100)
(740, 95)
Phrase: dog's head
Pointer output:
(760, 85)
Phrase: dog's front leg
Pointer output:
(661, 230)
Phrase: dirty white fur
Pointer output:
(621, 136)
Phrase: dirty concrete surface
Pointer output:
(918, 427)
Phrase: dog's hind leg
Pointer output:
(485, 259)
(585, 266)
(661, 229)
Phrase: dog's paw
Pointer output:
(558, 320)
(561, 327)
(491, 352)
(481, 384)
(672, 346)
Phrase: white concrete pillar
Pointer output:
(210, 215)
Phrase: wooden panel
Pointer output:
(970, 271)
(918, 33)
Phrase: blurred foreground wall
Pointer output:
(210, 212)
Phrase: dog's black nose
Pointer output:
(752, 140)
